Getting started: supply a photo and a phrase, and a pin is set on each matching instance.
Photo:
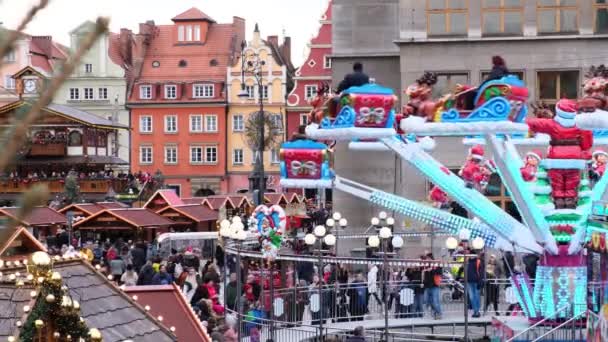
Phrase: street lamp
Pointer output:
(253, 64)
(382, 239)
(477, 245)
(235, 230)
(320, 235)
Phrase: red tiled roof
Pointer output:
(193, 14)
(193, 200)
(114, 50)
(196, 212)
(93, 208)
(167, 301)
(46, 60)
(169, 196)
(273, 198)
(40, 216)
(26, 239)
(111, 205)
(216, 202)
(137, 217)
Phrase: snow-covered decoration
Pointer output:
(418, 126)
(270, 224)
(537, 140)
(305, 164)
(598, 119)
(426, 143)
(365, 112)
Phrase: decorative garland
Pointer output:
(270, 224)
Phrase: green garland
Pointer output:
(65, 321)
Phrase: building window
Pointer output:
(210, 154)
(447, 17)
(102, 93)
(88, 68)
(210, 123)
(74, 94)
(180, 33)
(555, 16)
(502, 17)
(171, 124)
(310, 91)
(10, 57)
(274, 156)
(277, 122)
(254, 156)
(601, 16)
(196, 123)
(237, 156)
(145, 124)
(518, 73)
(145, 154)
(555, 85)
(171, 154)
(264, 90)
(203, 90)
(250, 92)
(238, 123)
(9, 82)
(303, 119)
(326, 62)
(145, 92)
(189, 33)
(75, 138)
(88, 93)
(446, 82)
(197, 33)
(196, 154)
(171, 91)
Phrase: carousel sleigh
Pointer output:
(305, 164)
(498, 107)
(365, 112)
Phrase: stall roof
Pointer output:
(275, 198)
(93, 208)
(136, 217)
(169, 196)
(175, 310)
(196, 212)
(40, 216)
(217, 202)
(21, 236)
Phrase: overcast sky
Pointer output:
(299, 18)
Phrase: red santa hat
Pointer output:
(490, 165)
(535, 154)
(477, 152)
(566, 108)
(599, 152)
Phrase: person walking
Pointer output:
(414, 276)
(432, 279)
(474, 282)
(372, 284)
(129, 278)
(357, 294)
(117, 268)
(493, 274)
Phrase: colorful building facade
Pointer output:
(179, 103)
(314, 72)
(276, 82)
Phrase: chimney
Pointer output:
(45, 44)
(126, 46)
(273, 40)
(286, 48)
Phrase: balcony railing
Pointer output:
(55, 185)
(48, 150)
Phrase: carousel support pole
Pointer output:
(320, 266)
(385, 287)
(271, 339)
(239, 308)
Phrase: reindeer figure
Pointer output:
(542, 110)
(419, 93)
(595, 88)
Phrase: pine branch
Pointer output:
(6, 46)
(20, 131)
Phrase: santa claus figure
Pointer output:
(568, 153)
(528, 172)
(439, 198)
(471, 171)
(487, 170)
(600, 157)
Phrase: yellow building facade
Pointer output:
(241, 158)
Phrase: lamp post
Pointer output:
(339, 223)
(253, 64)
(320, 235)
(382, 239)
(477, 244)
(235, 230)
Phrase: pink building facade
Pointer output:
(315, 71)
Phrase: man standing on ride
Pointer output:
(354, 79)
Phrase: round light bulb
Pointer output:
(38, 323)
(26, 308)
(18, 323)
(397, 241)
(56, 276)
(50, 298)
(478, 243)
(343, 222)
(390, 221)
(451, 243)
(224, 224)
(330, 222)
(320, 231)
(98, 267)
(225, 231)
(147, 307)
(373, 241)
(33, 294)
(375, 221)
(330, 239)
(237, 219)
(30, 277)
(336, 216)
(385, 233)
(382, 215)
(110, 277)
(172, 329)
(241, 235)
(135, 297)
(160, 318)
(11, 339)
(310, 239)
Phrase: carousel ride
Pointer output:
(559, 195)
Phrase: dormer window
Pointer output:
(145, 92)
(189, 33)
(171, 91)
